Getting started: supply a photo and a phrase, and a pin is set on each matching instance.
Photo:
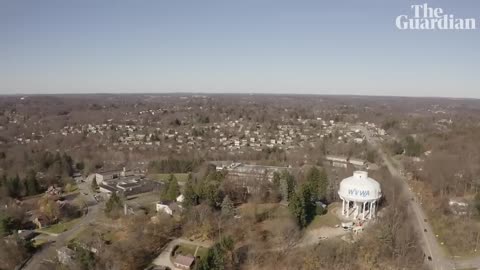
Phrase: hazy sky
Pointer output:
(316, 47)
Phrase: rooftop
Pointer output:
(184, 260)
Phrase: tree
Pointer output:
(172, 190)
(276, 179)
(318, 183)
(80, 166)
(313, 180)
(287, 185)
(412, 147)
(31, 184)
(13, 187)
(396, 148)
(477, 202)
(323, 185)
(227, 244)
(228, 209)
(371, 156)
(113, 205)
(212, 194)
(85, 257)
(12, 252)
(215, 259)
(49, 208)
(297, 209)
(303, 206)
(6, 224)
(191, 197)
(94, 185)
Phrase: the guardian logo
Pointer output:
(428, 18)
(356, 192)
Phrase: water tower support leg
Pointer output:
(363, 212)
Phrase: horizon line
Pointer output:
(231, 93)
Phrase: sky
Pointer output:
(343, 47)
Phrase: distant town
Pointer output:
(199, 182)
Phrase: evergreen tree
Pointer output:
(3, 180)
(212, 194)
(276, 179)
(412, 147)
(313, 180)
(31, 184)
(297, 209)
(287, 185)
(6, 224)
(228, 246)
(228, 209)
(114, 203)
(13, 187)
(322, 185)
(303, 206)
(191, 197)
(215, 259)
(173, 189)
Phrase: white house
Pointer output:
(164, 208)
(180, 198)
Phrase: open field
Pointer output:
(60, 227)
(271, 209)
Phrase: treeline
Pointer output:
(173, 165)
(208, 189)
(47, 169)
(15, 187)
(56, 165)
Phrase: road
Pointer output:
(430, 245)
(164, 258)
(49, 250)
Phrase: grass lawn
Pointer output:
(186, 249)
(274, 209)
(60, 227)
(181, 177)
(38, 243)
(329, 219)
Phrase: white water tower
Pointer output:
(359, 195)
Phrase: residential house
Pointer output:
(183, 262)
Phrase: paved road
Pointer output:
(49, 250)
(440, 261)
(164, 258)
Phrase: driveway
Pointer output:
(164, 258)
